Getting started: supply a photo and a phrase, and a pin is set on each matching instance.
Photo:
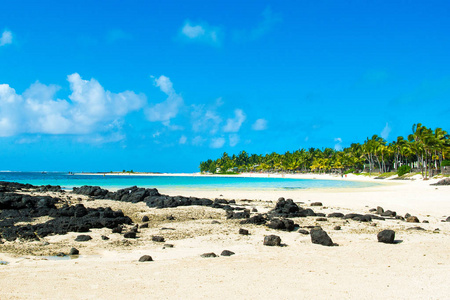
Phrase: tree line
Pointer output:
(425, 149)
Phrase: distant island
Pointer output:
(425, 150)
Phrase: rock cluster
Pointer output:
(16, 208)
(288, 209)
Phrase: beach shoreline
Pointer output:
(416, 267)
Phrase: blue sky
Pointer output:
(163, 85)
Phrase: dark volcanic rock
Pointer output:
(386, 236)
(206, 255)
(303, 231)
(412, 219)
(321, 219)
(380, 210)
(281, 224)
(93, 191)
(243, 231)
(272, 240)
(335, 215)
(288, 209)
(337, 227)
(134, 194)
(448, 219)
(145, 219)
(319, 236)
(389, 213)
(129, 235)
(83, 238)
(227, 253)
(74, 251)
(15, 208)
(158, 239)
(358, 217)
(117, 229)
(258, 219)
(316, 204)
(145, 258)
(104, 237)
(145, 225)
(238, 215)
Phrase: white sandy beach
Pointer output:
(417, 267)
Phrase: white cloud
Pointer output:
(91, 109)
(168, 109)
(234, 124)
(234, 139)
(198, 141)
(260, 124)
(183, 140)
(386, 131)
(202, 33)
(192, 31)
(217, 142)
(6, 38)
(206, 119)
(338, 146)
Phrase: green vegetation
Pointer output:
(403, 170)
(131, 171)
(425, 150)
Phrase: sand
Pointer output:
(417, 266)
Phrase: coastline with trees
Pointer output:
(425, 150)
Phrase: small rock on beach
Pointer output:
(83, 238)
(145, 258)
(386, 236)
(272, 240)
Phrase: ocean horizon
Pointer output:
(172, 181)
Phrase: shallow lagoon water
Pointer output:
(68, 181)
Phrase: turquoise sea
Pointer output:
(68, 181)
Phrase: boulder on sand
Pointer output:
(227, 253)
(412, 219)
(83, 238)
(319, 236)
(74, 251)
(145, 258)
(272, 240)
(386, 236)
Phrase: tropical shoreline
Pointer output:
(358, 267)
(348, 177)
